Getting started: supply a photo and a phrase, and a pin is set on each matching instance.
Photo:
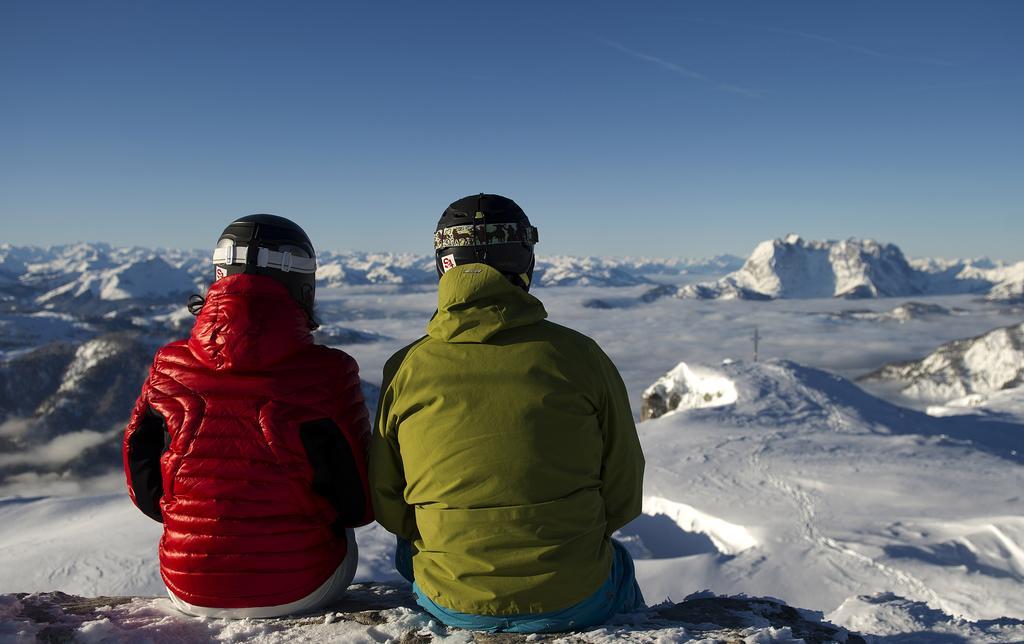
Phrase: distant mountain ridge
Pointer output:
(99, 271)
(794, 268)
(788, 267)
(982, 365)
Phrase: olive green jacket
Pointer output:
(505, 450)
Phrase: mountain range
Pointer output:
(100, 271)
(63, 277)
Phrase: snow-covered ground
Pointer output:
(790, 483)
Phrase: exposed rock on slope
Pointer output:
(373, 612)
(27, 380)
(687, 387)
(103, 374)
(984, 364)
(66, 404)
(774, 393)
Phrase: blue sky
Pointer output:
(622, 128)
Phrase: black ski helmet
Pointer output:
(486, 229)
(272, 246)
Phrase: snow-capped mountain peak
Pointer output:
(143, 279)
(792, 267)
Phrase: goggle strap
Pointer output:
(265, 258)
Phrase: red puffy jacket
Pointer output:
(249, 443)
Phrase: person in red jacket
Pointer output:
(249, 441)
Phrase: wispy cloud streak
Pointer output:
(828, 40)
(685, 72)
(873, 53)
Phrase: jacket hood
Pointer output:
(475, 301)
(247, 323)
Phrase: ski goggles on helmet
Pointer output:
(484, 235)
(228, 254)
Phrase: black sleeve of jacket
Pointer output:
(145, 446)
(335, 475)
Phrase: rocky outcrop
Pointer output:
(384, 612)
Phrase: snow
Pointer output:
(1006, 403)
(900, 621)
(790, 481)
(957, 370)
(686, 387)
(88, 356)
(116, 273)
(805, 488)
(148, 278)
(19, 330)
(379, 612)
(1011, 287)
(795, 268)
(782, 268)
(728, 538)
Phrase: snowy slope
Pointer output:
(357, 268)
(803, 487)
(1010, 287)
(981, 365)
(46, 269)
(891, 619)
(833, 492)
(150, 278)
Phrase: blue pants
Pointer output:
(619, 594)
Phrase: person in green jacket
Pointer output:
(504, 453)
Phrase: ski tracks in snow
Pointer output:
(843, 559)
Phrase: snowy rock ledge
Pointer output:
(380, 612)
(687, 387)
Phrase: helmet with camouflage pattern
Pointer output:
(486, 229)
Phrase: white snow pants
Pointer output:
(328, 592)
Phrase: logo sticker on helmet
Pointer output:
(219, 272)
(448, 262)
